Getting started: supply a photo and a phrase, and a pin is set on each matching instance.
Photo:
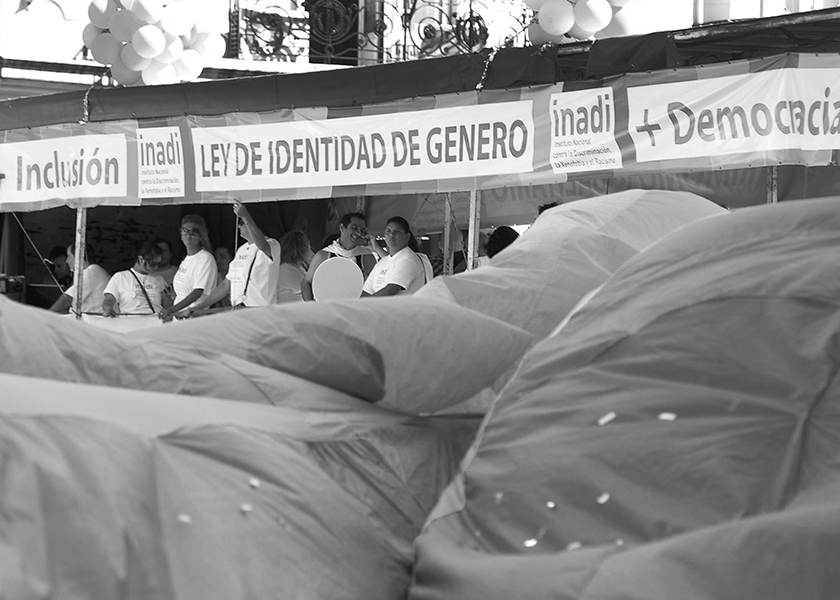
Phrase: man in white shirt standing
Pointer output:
(94, 279)
(254, 271)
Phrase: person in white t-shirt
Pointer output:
(297, 254)
(197, 274)
(352, 243)
(94, 280)
(137, 291)
(253, 273)
(402, 270)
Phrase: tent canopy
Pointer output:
(815, 31)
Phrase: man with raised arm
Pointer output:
(252, 276)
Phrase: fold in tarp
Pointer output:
(568, 251)
(333, 344)
(109, 493)
(677, 438)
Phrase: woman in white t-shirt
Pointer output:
(402, 271)
(137, 291)
(197, 273)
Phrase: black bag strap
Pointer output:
(143, 289)
(250, 270)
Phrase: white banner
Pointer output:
(583, 131)
(160, 163)
(442, 143)
(759, 112)
(85, 166)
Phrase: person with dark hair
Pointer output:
(402, 270)
(138, 290)
(197, 274)
(58, 267)
(352, 243)
(252, 275)
(501, 238)
(223, 258)
(544, 207)
(296, 255)
(167, 269)
(94, 279)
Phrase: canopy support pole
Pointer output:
(772, 185)
(475, 219)
(79, 258)
(447, 235)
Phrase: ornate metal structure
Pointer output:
(358, 32)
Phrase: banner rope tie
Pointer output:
(480, 85)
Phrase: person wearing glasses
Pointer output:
(402, 270)
(352, 243)
(254, 271)
(197, 274)
(138, 290)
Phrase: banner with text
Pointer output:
(783, 109)
(411, 146)
(583, 131)
(160, 163)
(88, 166)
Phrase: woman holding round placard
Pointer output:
(402, 270)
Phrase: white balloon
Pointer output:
(177, 18)
(123, 24)
(618, 3)
(101, 11)
(189, 38)
(158, 73)
(132, 60)
(148, 41)
(211, 45)
(147, 11)
(89, 34)
(593, 15)
(579, 33)
(534, 4)
(189, 65)
(105, 48)
(537, 36)
(127, 4)
(556, 17)
(172, 51)
(123, 74)
(623, 23)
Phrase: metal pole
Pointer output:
(78, 263)
(447, 235)
(234, 21)
(475, 220)
(772, 185)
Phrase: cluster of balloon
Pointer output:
(151, 42)
(558, 20)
